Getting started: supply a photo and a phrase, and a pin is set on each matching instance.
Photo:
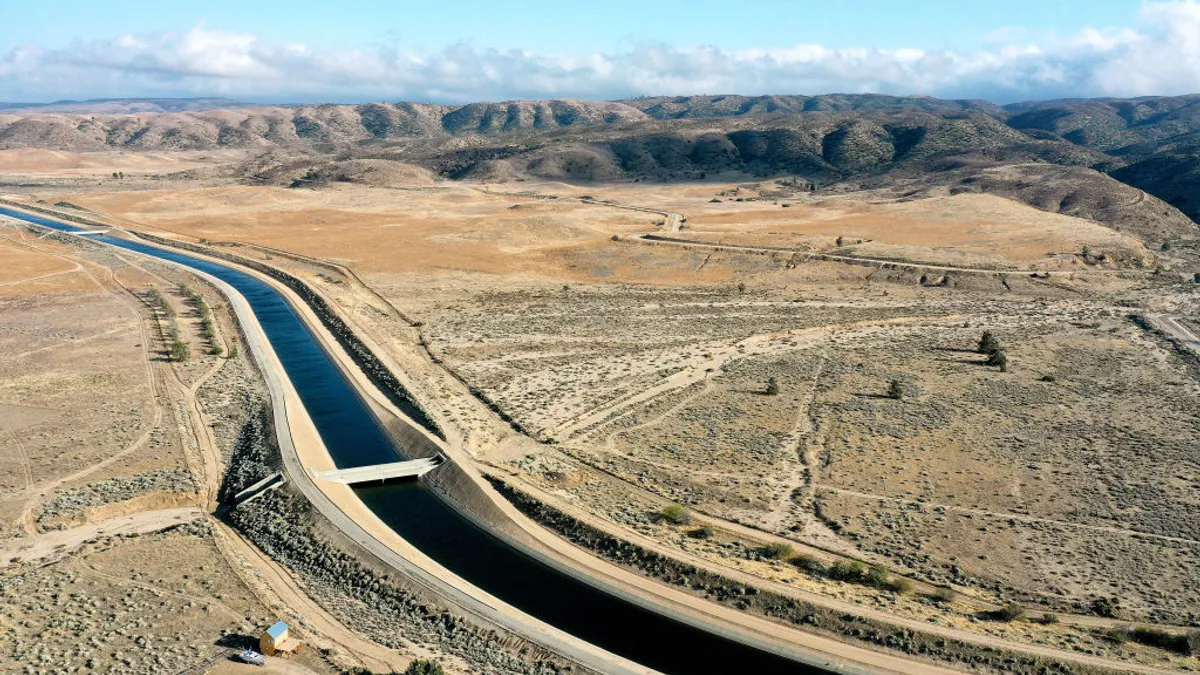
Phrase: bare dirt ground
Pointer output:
(1069, 479)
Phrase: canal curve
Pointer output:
(353, 438)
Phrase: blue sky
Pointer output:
(353, 50)
(561, 25)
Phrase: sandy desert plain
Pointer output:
(739, 366)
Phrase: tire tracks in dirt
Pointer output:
(720, 354)
(26, 464)
(208, 473)
(805, 473)
(26, 519)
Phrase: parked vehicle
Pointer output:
(253, 658)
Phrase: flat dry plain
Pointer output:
(1068, 483)
(80, 405)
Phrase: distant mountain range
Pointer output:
(1088, 157)
(117, 106)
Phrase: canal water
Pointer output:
(428, 522)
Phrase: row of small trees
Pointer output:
(177, 349)
(207, 329)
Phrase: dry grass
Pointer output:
(34, 163)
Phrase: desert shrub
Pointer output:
(773, 387)
(846, 570)
(1010, 612)
(777, 550)
(998, 359)
(1048, 378)
(808, 563)
(944, 595)
(1106, 607)
(1048, 619)
(702, 532)
(988, 343)
(676, 515)
(179, 350)
(424, 667)
(877, 575)
(895, 390)
(880, 577)
(841, 241)
(1152, 637)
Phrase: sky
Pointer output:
(456, 52)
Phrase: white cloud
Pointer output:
(1160, 56)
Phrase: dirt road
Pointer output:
(856, 260)
(56, 542)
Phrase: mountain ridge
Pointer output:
(1149, 143)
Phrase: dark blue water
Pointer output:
(353, 437)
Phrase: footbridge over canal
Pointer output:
(381, 472)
